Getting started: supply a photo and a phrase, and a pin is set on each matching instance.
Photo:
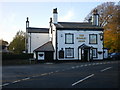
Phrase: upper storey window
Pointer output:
(93, 39)
(69, 38)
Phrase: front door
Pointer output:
(85, 54)
(49, 56)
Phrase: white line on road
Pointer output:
(81, 65)
(5, 84)
(82, 79)
(73, 67)
(16, 81)
(57, 71)
(105, 69)
(44, 74)
(26, 78)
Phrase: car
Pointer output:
(115, 56)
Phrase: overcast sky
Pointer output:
(13, 15)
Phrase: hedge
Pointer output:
(11, 56)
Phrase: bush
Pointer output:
(11, 56)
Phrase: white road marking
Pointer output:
(5, 84)
(81, 65)
(44, 74)
(89, 64)
(57, 71)
(105, 69)
(26, 78)
(73, 67)
(85, 65)
(16, 81)
(82, 79)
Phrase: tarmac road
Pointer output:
(99, 74)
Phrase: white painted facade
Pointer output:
(35, 40)
(77, 43)
(81, 37)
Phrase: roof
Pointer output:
(37, 30)
(77, 25)
(45, 47)
(85, 46)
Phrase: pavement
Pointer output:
(99, 74)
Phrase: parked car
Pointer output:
(115, 56)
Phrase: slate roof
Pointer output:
(37, 30)
(76, 25)
(45, 47)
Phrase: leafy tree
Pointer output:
(2, 42)
(18, 43)
(109, 17)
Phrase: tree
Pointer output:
(3, 44)
(109, 17)
(18, 43)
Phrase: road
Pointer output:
(98, 74)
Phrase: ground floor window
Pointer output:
(69, 52)
(94, 52)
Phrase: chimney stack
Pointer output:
(55, 17)
(95, 18)
(27, 23)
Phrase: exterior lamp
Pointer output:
(101, 36)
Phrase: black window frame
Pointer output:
(66, 38)
(96, 39)
(96, 54)
(66, 53)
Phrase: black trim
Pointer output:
(96, 52)
(72, 38)
(66, 54)
(96, 39)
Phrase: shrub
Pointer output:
(11, 56)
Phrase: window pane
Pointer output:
(95, 52)
(69, 52)
(93, 39)
(69, 38)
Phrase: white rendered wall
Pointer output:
(37, 39)
(54, 40)
(106, 53)
(61, 42)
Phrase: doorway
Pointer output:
(85, 55)
(49, 56)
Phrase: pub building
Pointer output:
(81, 41)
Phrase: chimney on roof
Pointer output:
(95, 18)
(27, 23)
(55, 16)
(89, 20)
